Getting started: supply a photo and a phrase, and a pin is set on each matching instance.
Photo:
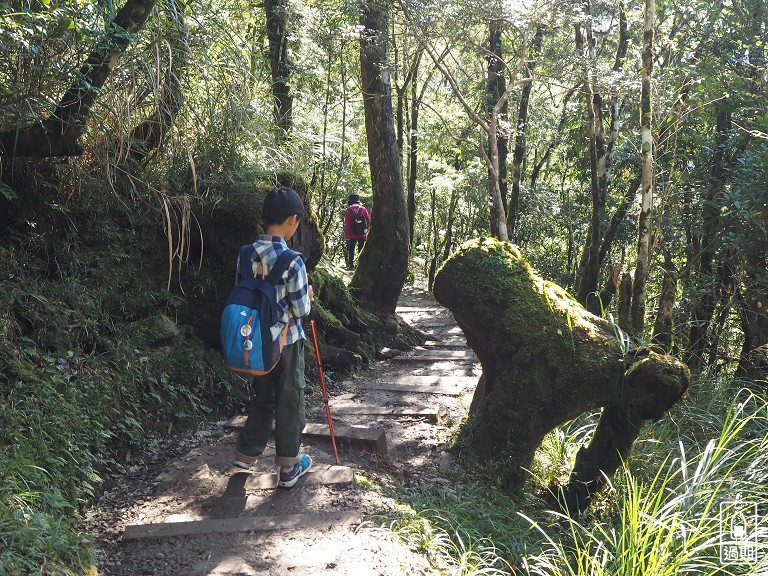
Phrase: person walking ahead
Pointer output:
(357, 221)
(280, 393)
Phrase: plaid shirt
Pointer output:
(294, 290)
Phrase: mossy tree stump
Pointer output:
(546, 360)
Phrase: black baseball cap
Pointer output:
(281, 203)
(354, 198)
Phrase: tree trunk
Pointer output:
(662, 328)
(703, 308)
(520, 138)
(601, 151)
(277, 35)
(498, 211)
(413, 157)
(448, 245)
(624, 308)
(59, 134)
(642, 266)
(383, 264)
(435, 233)
(618, 217)
(413, 148)
(497, 152)
(587, 277)
(535, 380)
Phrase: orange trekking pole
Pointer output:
(322, 385)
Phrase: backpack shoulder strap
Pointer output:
(246, 261)
(282, 264)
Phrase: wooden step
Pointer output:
(246, 524)
(431, 414)
(430, 380)
(413, 309)
(450, 354)
(445, 344)
(373, 439)
(417, 389)
(445, 385)
(319, 474)
(431, 322)
(433, 358)
(369, 438)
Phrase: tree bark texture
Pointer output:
(642, 266)
(59, 134)
(587, 278)
(496, 86)
(545, 361)
(520, 138)
(601, 152)
(704, 305)
(413, 158)
(624, 306)
(662, 327)
(277, 35)
(383, 264)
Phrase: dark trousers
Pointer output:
(351, 250)
(278, 395)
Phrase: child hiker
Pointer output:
(280, 393)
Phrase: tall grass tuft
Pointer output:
(675, 522)
(450, 548)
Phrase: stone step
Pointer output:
(245, 524)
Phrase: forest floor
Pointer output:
(179, 507)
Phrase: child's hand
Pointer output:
(311, 293)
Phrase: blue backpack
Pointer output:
(251, 336)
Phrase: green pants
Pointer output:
(278, 395)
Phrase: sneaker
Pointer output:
(290, 475)
(241, 464)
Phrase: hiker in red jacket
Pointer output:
(357, 221)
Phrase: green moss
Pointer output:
(532, 308)
(330, 289)
(535, 342)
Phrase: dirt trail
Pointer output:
(190, 512)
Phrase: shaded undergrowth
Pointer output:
(692, 497)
